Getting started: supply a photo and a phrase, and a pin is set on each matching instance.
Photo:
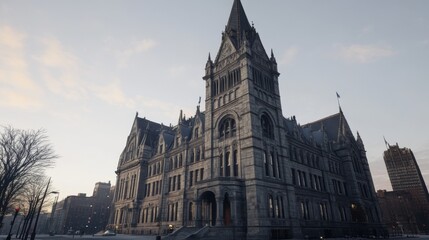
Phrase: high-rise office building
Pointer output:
(404, 172)
(407, 184)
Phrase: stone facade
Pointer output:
(240, 164)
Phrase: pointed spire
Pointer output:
(341, 127)
(209, 60)
(238, 24)
(273, 59)
(359, 141)
(180, 116)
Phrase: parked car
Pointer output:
(109, 233)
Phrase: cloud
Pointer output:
(61, 71)
(364, 53)
(177, 70)
(163, 110)
(113, 94)
(139, 47)
(17, 89)
(55, 55)
(11, 38)
(288, 56)
(135, 47)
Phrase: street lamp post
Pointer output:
(33, 234)
(54, 206)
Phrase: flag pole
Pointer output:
(338, 100)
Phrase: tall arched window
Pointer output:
(235, 162)
(221, 165)
(227, 128)
(267, 126)
(270, 206)
(227, 164)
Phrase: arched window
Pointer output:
(235, 162)
(227, 164)
(270, 206)
(192, 155)
(196, 132)
(197, 154)
(267, 126)
(227, 128)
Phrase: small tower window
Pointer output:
(267, 126)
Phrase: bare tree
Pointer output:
(24, 155)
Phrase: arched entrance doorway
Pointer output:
(208, 208)
(226, 210)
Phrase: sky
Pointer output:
(82, 69)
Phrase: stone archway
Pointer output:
(226, 210)
(208, 208)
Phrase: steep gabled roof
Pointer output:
(238, 24)
(335, 126)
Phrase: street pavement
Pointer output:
(86, 237)
(151, 237)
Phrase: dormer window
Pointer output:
(161, 148)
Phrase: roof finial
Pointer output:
(209, 58)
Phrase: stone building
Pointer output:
(240, 167)
(81, 213)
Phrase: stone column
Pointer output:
(198, 217)
(234, 214)
(219, 215)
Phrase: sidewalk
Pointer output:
(86, 237)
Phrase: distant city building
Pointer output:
(240, 166)
(408, 185)
(399, 212)
(85, 214)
